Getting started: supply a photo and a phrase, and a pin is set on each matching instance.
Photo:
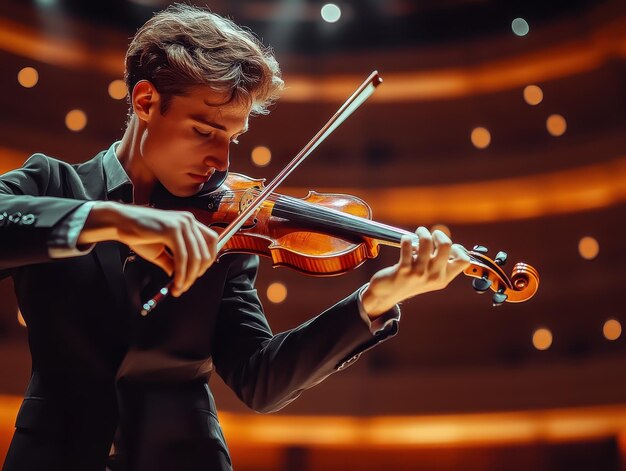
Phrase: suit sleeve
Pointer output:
(269, 371)
(31, 205)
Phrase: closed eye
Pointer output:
(203, 133)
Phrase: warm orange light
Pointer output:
(20, 318)
(117, 89)
(530, 426)
(76, 120)
(562, 192)
(542, 339)
(589, 187)
(481, 138)
(556, 125)
(28, 77)
(533, 95)
(277, 292)
(588, 248)
(574, 56)
(398, 431)
(443, 228)
(11, 159)
(612, 329)
(261, 156)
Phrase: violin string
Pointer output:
(327, 215)
(473, 259)
(338, 221)
(334, 218)
(377, 232)
(338, 217)
(324, 215)
(315, 213)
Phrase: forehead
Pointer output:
(202, 100)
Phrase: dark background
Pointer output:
(449, 66)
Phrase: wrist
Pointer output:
(101, 224)
(373, 305)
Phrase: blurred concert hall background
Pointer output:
(501, 122)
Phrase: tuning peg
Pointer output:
(481, 284)
(480, 249)
(500, 258)
(499, 297)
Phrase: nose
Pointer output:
(219, 158)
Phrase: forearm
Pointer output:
(268, 371)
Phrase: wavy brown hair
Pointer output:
(184, 46)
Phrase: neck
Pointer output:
(130, 155)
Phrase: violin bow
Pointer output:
(365, 90)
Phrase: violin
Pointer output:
(322, 234)
(328, 235)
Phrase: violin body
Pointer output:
(280, 229)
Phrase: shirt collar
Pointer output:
(118, 184)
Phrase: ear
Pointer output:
(145, 99)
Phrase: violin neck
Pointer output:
(336, 222)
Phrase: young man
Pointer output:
(194, 78)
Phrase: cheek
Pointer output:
(159, 143)
(169, 149)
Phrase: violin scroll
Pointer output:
(489, 275)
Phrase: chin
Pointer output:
(183, 191)
(187, 192)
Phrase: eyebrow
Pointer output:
(202, 119)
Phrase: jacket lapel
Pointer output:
(108, 254)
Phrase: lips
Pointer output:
(200, 178)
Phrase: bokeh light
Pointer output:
(117, 89)
(533, 95)
(76, 120)
(542, 339)
(556, 125)
(520, 27)
(28, 77)
(331, 13)
(588, 247)
(612, 329)
(277, 292)
(261, 156)
(481, 138)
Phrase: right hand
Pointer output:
(173, 240)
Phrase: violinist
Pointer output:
(85, 248)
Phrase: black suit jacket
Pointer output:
(93, 354)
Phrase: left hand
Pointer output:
(430, 266)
